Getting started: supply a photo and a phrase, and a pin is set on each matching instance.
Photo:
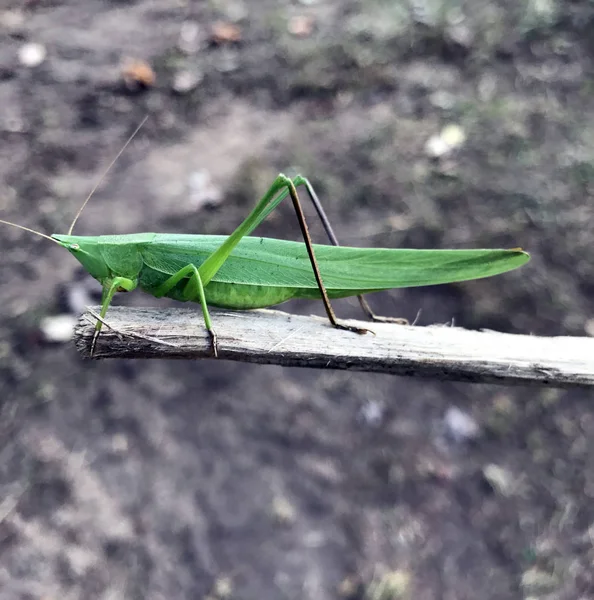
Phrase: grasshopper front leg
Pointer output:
(193, 290)
(117, 284)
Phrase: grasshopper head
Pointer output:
(86, 250)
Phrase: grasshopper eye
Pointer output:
(74, 247)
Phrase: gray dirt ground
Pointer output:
(174, 480)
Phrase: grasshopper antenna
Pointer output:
(111, 164)
(47, 237)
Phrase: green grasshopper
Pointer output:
(243, 272)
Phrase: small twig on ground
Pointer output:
(273, 337)
(97, 317)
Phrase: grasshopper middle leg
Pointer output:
(193, 290)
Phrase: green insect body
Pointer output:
(262, 272)
(243, 272)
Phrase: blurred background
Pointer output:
(422, 123)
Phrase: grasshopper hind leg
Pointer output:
(291, 186)
(360, 330)
(334, 240)
(379, 318)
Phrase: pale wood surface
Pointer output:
(274, 337)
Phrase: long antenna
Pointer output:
(111, 164)
(47, 237)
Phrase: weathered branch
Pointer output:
(273, 337)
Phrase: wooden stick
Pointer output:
(273, 337)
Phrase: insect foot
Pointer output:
(359, 330)
(395, 320)
(214, 344)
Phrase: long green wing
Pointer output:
(280, 263)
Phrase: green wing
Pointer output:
(345, 270)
